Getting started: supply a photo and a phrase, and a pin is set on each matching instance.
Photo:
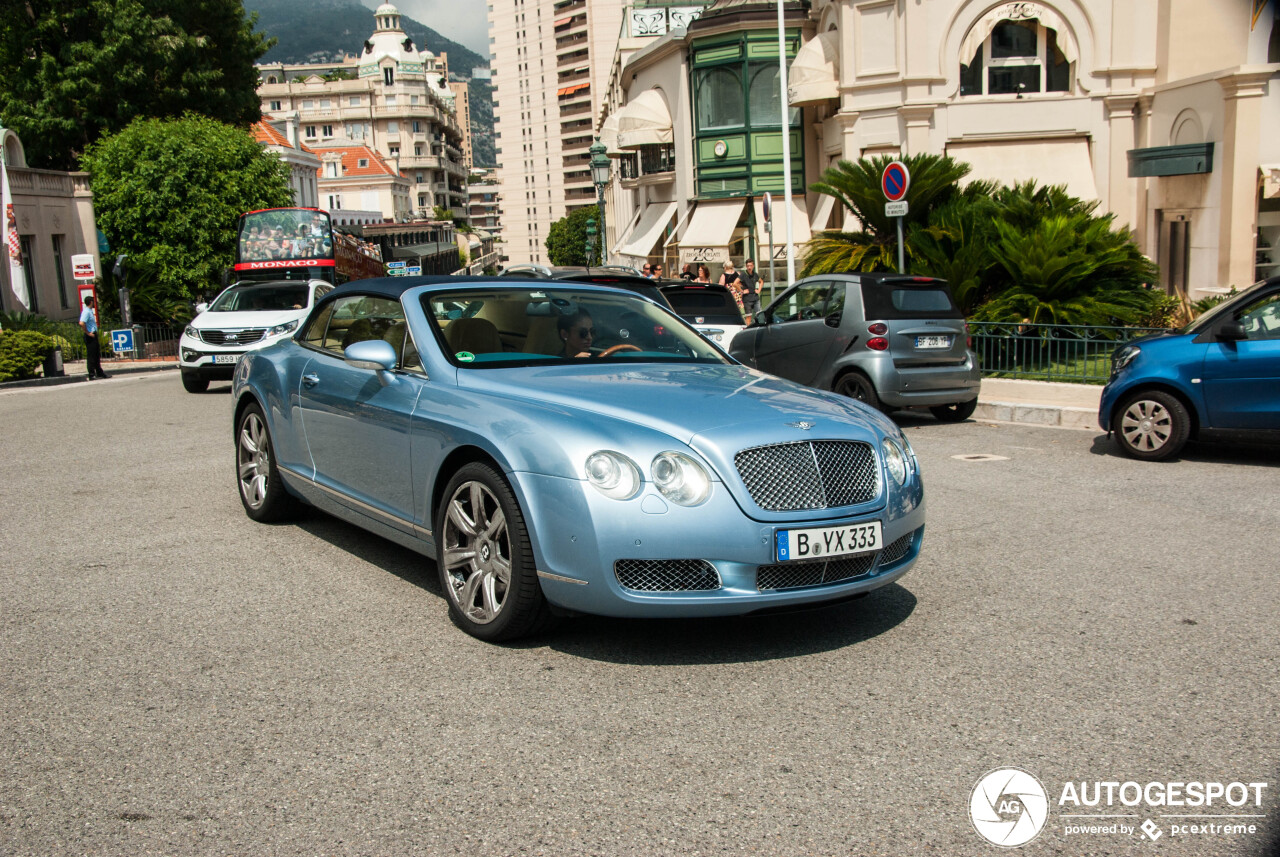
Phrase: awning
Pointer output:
(625, 234)
(799, 225)
(1064, 161)
(569, 90)
(644, 121)
(814, 74)
(984, 25)
(646, 233)
(706, 239)
(609, 135)
(414, 251)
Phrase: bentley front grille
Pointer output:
(821, 474)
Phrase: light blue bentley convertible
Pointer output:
(565, 448)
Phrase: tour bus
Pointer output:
(299, 243)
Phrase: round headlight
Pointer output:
(912, 461)
(613, 474)
(895, 460)
(680, 479)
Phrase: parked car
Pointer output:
(242, 317)
(1218, 376)
(617, 276)
(710, 308)
(651, 478)
(888, 340)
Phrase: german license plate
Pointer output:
(226, 358)
(820, 543)
(933, 342)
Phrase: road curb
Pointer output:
(1041, 415)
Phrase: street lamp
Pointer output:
(600, 167)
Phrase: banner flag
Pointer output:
(12, 243)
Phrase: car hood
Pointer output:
(262, 318)
(733, 406)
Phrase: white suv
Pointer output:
(244, 317)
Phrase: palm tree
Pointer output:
(956, 245)
(856, 186)
(1070, 269)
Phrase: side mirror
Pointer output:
(761, 317)
(833, 320)
(201, 307)
(1231, 331)
(375, 354)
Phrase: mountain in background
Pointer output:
(327, 30)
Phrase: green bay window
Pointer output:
(738, 117)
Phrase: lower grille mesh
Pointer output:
(790, 576)
(897, 550)
(666, 575)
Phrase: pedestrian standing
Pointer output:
(89, 324)
(750, 288)
(730, 280)
(686, 273)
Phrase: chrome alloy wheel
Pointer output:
(477, 553)
(253, 460)
(1146, 425)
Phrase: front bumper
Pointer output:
(580, 536)
(196, 357)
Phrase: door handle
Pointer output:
(310, 380)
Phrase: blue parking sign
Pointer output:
(122, 340)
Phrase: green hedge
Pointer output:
(21, 352)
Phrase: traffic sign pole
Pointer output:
(894, 181)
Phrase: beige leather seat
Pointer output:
(477, 335)
(543, 338)
(395, 335)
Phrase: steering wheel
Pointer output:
(621, 346)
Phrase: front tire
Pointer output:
(957, 413)
(858, 386)
(193, 383)
(1151, 426)
(485, 558)
(262, 493)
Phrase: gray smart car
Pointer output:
(889, 340)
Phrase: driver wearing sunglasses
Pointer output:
(577, 332)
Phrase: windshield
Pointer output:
(515, 326)
(1209, 316)
(285, 234)
(267, 298)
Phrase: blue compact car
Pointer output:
(562, 447)
(1219, 375)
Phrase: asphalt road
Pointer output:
(175, 679)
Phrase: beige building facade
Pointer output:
(390, 97)
(1161, 110)
(550, 63)
(55, 220)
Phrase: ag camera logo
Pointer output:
(1008, 807)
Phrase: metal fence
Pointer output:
(151, 341)
(1050, 352)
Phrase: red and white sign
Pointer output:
(284, 263)
(894, 181)
(83, 267)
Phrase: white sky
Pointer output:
(464, 21)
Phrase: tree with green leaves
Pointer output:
(72, 71)
(567, 238)
(169, 193)
(856, 186)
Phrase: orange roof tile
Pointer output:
(375, 164)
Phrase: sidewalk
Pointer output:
(1040, 403)
(76, 372)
